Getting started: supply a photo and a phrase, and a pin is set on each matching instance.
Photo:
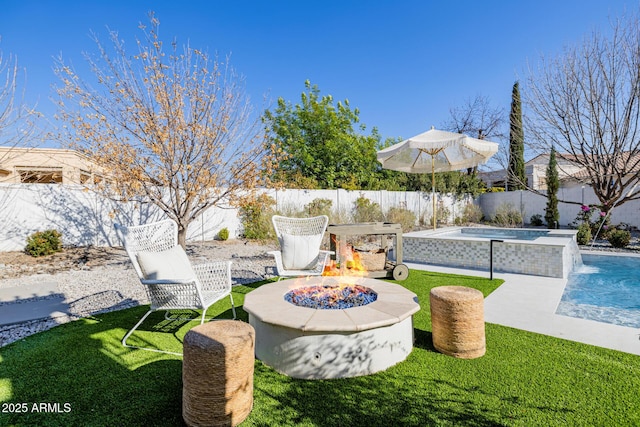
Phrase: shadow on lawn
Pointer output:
(423, 340)
(83, 365)
(86, 377)
(383, 399)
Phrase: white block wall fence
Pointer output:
(529, 204)
(86, 218)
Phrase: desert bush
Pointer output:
(442, 215)
(292, 210)
(255, 217)
(584, 234)
(223, 234)
(507, 216)
(619, 238)
(319, 207)
(367, 211)
(471, 213)
(43, 243)
(402, 216)
(340, 216)
(536, 220)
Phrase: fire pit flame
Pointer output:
(331, 297)
(339, 287)
(353, 265)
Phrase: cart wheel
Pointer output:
(400, 272)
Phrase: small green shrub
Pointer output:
(599, 226)
(584, 234)
(319, 207)
(255, 216)
(367, 211)
(619, 238)
(43, 243)
(223, 234)
(402, 216)
(507, 216)
(536, 220)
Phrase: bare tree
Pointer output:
(175, 128)
(478, 119)
(18, 121)
(586, 103)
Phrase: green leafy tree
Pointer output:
(552, 216)
(454, 182)
(320, 144)
(516, 176)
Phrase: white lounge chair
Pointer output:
(164, 269)
(300, 240)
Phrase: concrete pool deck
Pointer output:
(529, 303)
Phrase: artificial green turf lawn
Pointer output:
(524, 379)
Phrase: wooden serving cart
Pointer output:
(385, 231)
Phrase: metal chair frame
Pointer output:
(312, 227)
(212, 280)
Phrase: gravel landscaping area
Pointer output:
(96, 280)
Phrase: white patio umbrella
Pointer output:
(436, 151)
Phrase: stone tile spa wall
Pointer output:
(553, 256)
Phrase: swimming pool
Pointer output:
(605, 289)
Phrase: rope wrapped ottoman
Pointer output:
(457, 321)
(217, 373)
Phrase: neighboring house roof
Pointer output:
(569, 168)
(46, 166)
(627, 160)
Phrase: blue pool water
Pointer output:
(496, 233)
(605, 289)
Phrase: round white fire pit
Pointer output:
(315, 343)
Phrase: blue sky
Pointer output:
(403, 64)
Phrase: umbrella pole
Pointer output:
(433, 190)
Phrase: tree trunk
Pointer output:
(182, 236)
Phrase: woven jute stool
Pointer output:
(457, 321)
(217, 373)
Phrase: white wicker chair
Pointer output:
(170, 280)
(300, 240)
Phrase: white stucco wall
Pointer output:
(86, 218)
(530, 203)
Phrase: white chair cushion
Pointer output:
(300, 252)
(172, 264)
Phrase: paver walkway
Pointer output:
(529, 303)
(31, 302)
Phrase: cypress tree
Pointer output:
(552, 216)
(516, 177)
